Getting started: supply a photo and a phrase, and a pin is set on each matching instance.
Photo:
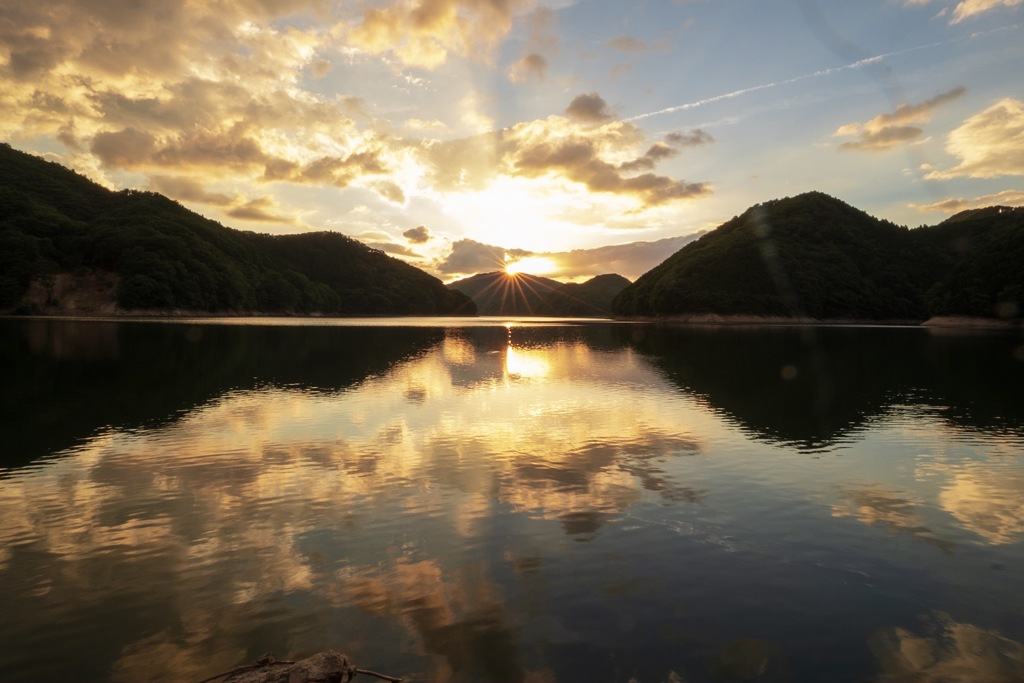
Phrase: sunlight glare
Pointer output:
(533, 265)
(526, 364)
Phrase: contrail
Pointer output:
(859, 64)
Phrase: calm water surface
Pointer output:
(476, 501)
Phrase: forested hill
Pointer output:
(155, 254)
(499, 293)
(817, 257)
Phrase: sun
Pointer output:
(533, 265)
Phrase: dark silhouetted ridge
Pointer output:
(500, 293)
(57, 224)
(814, 256)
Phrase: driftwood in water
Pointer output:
(324, 667)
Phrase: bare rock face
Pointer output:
(85, 292)
(324, 667)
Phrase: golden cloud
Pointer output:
(142, 40)
(989, 144)
(969, 8)
(424, 33)
(584, 158)
(262, 210)
(187, 189)
(956, 204)
(895, 128)
(205, 86)
(602, 157)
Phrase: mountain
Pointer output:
(814, 256)
(501, 293)
(68, 244)
(978, 263)
(586, 299)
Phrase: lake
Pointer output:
(523, 500)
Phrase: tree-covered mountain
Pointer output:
(817, 257)
(977, 262)
(501, 293)
(158, 255)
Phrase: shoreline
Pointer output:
(701, 320)
(714, 319)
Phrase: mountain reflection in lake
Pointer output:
(527, 502)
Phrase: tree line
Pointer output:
(53, 220)
(815, 256)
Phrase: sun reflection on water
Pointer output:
(526, 363)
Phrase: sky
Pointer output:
(565, 138)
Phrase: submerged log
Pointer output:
(323, 667)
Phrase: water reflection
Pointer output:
(949, 652)
(69, 380)
(459, 619)
(897, 512)
(815, 387)
(491, 503)
(985, 497)
(273, 495)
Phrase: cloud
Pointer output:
(417, 235)
(628, 44)
(206, 87)
(140, 40)
(589, 108)
(260, 210)
(895, 128)
(469, 256)
(424, 33)
(532, 65)
(390, 191)
(465, 163)
(579, 159)
(691, 138)
(125, 148)
(188, 190)
(541, 40)
(667, 149)
(602, 158)
(630, 260)
(989, 144)
(636, 46)
(957, 204)
(969, 8)
(397, 249)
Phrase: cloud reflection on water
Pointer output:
(949, 652)
(986, 498)
(876, 506)
(229, 499)
(423, 509)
